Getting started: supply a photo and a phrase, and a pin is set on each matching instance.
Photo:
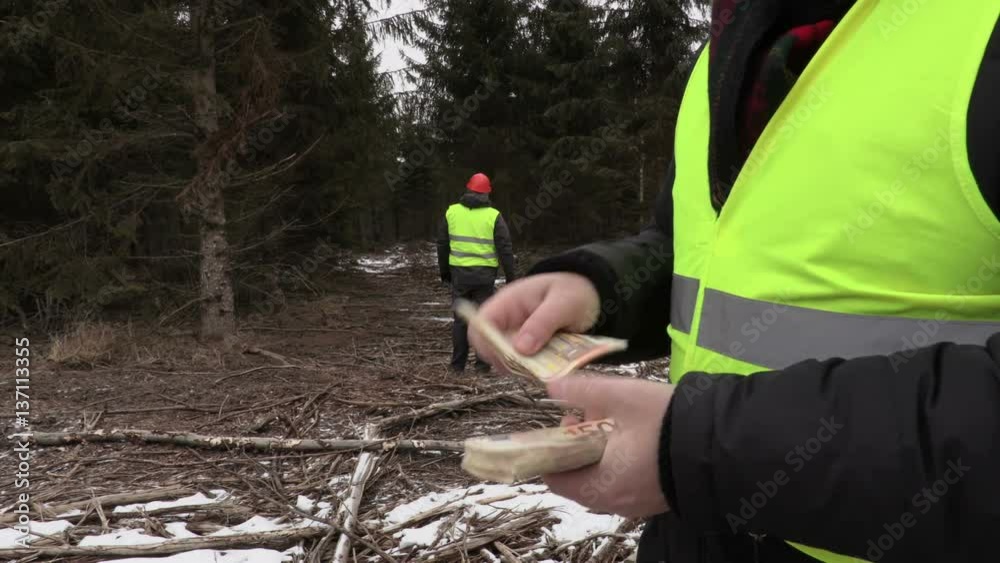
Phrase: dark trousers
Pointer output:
(477, 293)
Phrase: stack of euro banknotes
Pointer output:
(509, 458)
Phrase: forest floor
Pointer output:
(373, 343)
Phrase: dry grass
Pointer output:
(85, 345)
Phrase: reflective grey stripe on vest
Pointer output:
(683, 298)
(472, 254)
(776, 336)
(460, 238)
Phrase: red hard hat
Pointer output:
(479, 183)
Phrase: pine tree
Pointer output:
(582, 139)
(140, 128)
(475, 54)
(653, 44)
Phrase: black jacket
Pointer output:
(911, 472)
(476, 275)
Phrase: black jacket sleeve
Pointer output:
(633, 279)
(443, 250)
(883, 458)
(505, 248)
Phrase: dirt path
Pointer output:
(375, 342)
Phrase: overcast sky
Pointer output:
(391, 58)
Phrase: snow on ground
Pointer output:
(462, 509)
(255, 525)
(395, 258)
(9, 537)
(210, 556)
(381, 265)
(197, 499)
(483, 501)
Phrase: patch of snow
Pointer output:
(380, 265)
(252, 526)
(325, 509)
(71, 513)
(308, 505)
(228, 556)
(10, 537)
(422, 537)
(575, 521)
(197, 499)
(408, 510)
(483, 501)
(305, 504)
(179, 530)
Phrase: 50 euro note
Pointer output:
(508, 458)
(561, 355)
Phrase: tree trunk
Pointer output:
(218, 315)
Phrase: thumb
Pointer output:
(594, 394)
(551, 315)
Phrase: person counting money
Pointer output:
(822, 270)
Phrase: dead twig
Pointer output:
(252, 370)
(261, 352)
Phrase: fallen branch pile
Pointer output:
(119, 499)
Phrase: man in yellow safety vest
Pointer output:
(823, 269)
(473, 242)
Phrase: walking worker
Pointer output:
(824, 270)
(474, 241)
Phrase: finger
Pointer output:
(506, 311)
(511, 305)
(552, 314)
(594, 394)
(570, 420)
(576, 485)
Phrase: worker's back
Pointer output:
(473, 243)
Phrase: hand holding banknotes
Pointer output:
(537, 307)
(626, 480)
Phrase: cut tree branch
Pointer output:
(449, 406)
(349, 508)
(43, 439)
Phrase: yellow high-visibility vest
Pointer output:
(470, 235)
(856, 226)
